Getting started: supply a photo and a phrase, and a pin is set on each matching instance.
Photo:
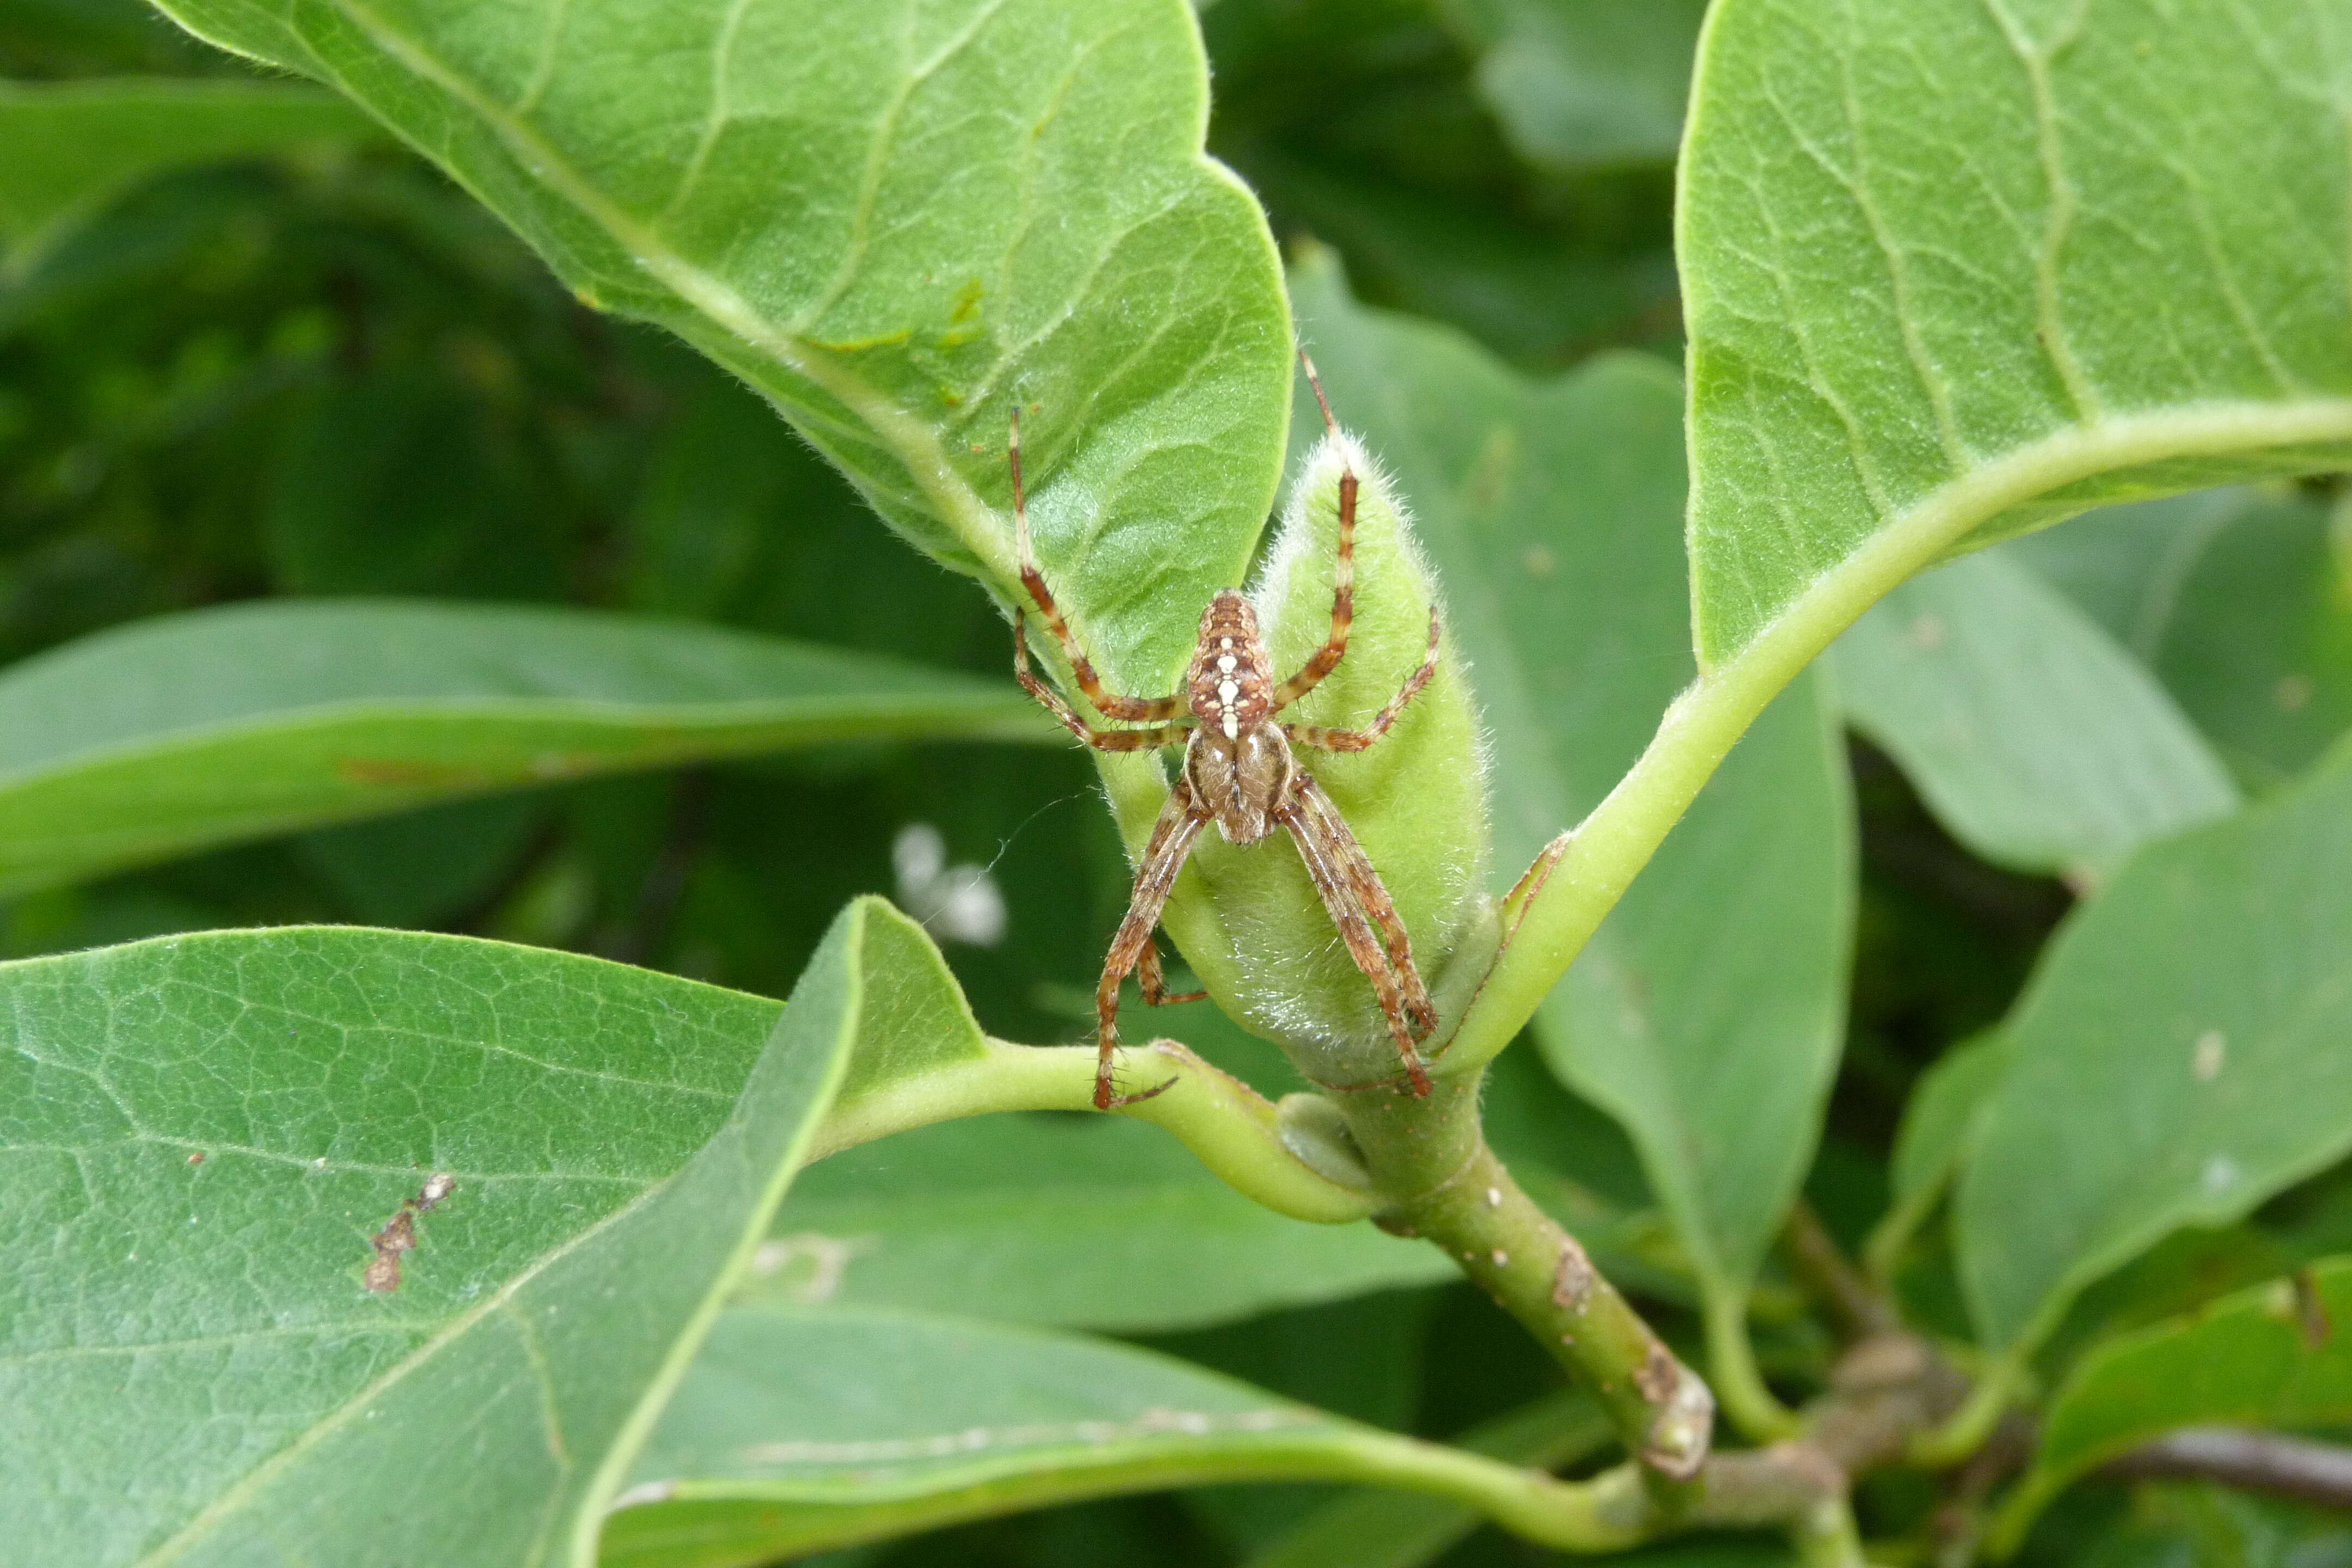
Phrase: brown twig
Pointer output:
(1822, 1268)
(2256, 1461)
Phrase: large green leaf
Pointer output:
(2175, 1059)
(2272, 1356)
(896, 221)
(167, 735)
(1096, 1223)
(213, 1144)
(1955, 269)
(2240, 599)
(2036, 740)
(1708, 1011)
(74, 146)
(2103, 265)
(2258, 644)
(2123, 565)
(800, 1428)
(1706, 1017)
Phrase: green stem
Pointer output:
(1731, 1366)
(1562, 1429)
(1882, 1254)
(1234, 1130)
(1447, 1186)
(1972, 1423)
(1825, 1536)
(1594, 864)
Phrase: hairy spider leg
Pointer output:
(1371, 892)
(1325, 659)
(1100, 740)
(1172, 837)
(1149, 975)
(1357, 739)
(1110, 704)
(1321, 848)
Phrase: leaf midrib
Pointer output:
(982, 707)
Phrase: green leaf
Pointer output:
(1095, 1223)
(932, 1064)
(1364, 1360)
(1907, 345)
(1402, 1530)
(1940, 1120)
(1706, 1017)
(1708, 1011)
(801, 1428)
(1941, 1117)
(2257, 645)
(895, 222)
(1579, 82)
(167, 735)
(208, 1142)
(2036, 740)
(75, 146)
(1956, 270)
(2271, 1356)
(2174, 1060)
(2203, 1525)
(2122, 566)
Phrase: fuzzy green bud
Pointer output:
(1415, 799)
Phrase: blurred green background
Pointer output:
(332, 373)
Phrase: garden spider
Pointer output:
(1239, 774)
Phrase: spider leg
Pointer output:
(1325, 659)
(1357, 739)
(1364, 881)
(1155, 984)
(1110, 704)
(1100, 740)
(1172, 837)
(1321, 848)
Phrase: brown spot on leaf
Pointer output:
(399, 1234)
(197, 1158)
(409, 771)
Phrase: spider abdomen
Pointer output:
(1240, 782)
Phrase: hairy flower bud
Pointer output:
(1415, 799)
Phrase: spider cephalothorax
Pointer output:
(1239, 772)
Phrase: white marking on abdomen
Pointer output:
(1233, 726)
